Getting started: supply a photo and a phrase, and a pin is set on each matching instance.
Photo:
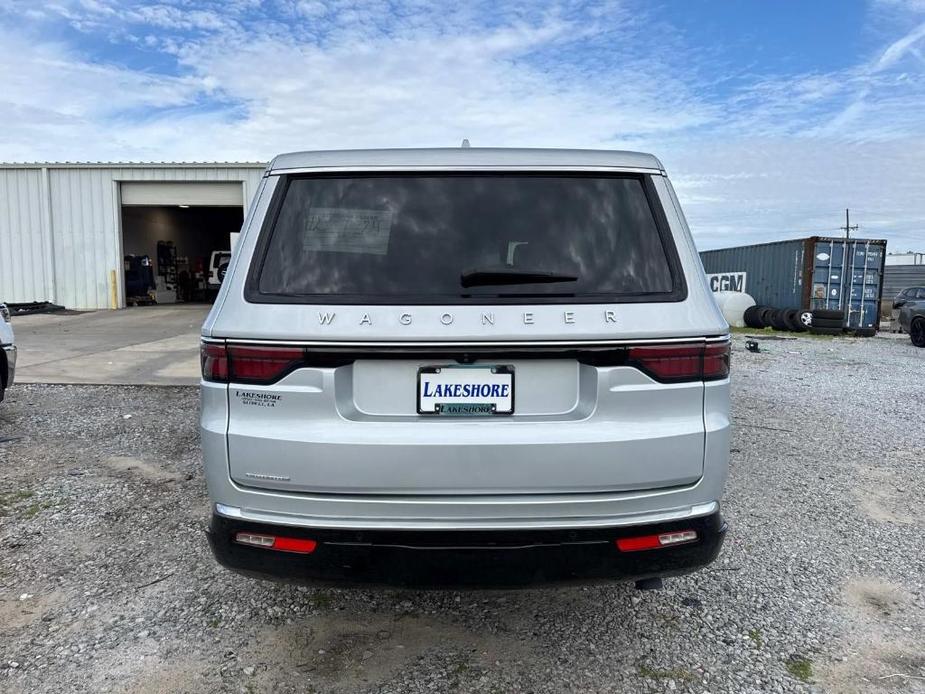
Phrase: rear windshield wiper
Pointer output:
(490, 276)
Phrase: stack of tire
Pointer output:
(827, 322)
(819, 321)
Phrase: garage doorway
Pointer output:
(177, 239)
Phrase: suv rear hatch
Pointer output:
(370, 277)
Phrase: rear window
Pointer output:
(465, 238)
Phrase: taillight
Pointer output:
(255, 365)
(214, 361)
(297, 545)
(716, 359)
(262, 364)
(677, 363)
(636, 544)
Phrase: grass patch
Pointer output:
(673, 673)
(800, 667)
(33, 510)
(771, 331)
(321, 601)
(755, 636)
(10, 499)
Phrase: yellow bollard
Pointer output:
(113, 300)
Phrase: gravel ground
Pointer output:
(107, 584)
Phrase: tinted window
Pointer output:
(920, 294)
(387, 238)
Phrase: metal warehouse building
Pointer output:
(66, 229)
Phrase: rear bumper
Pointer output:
(10, 353)
(465, 558)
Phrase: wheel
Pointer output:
(752, 318)
(865, 332)
(764, 315)
(777, 319)
(917, 332)
(806, 319)
(827, 322)
(825, 331)
(828, 313)
(792, 319)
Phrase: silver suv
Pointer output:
(465, 366)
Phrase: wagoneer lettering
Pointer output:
(518, 373)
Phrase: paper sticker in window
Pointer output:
(340, 230)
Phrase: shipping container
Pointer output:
(806, 274)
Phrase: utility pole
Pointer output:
(846, 305)
(848, 228)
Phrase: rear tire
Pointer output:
(828, 313)
(917, 332)
(825, 331)
(752, 317)
(792, 318)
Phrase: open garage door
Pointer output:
(177, 238)
(202, 194)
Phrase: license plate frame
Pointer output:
(498, 374)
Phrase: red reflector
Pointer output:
(214, 361)
(294, 544)
(283, 544)
(634, 544)
(262, 364)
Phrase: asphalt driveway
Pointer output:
(151, 345)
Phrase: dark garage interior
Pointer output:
(168, 251)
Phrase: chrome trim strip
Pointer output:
(468, 343)
(293, 520)
(372, 168)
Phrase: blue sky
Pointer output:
(771, 117)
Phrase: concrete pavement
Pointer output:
(148, 345)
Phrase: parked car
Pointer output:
(911, 305)
(465, 366)
(7, 351)
(910, 294)
(218, 266)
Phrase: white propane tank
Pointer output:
(733, 305)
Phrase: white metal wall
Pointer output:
(60, 235)
(24, 270)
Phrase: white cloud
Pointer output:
(899, 48)
(753, 156)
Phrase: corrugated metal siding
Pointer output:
(899, 277)
(774, 271)
(85, 218)
(23, 271)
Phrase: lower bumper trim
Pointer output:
(471, 558)
(10, 351)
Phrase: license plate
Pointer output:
(466, 391)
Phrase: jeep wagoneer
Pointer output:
(465, 366)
